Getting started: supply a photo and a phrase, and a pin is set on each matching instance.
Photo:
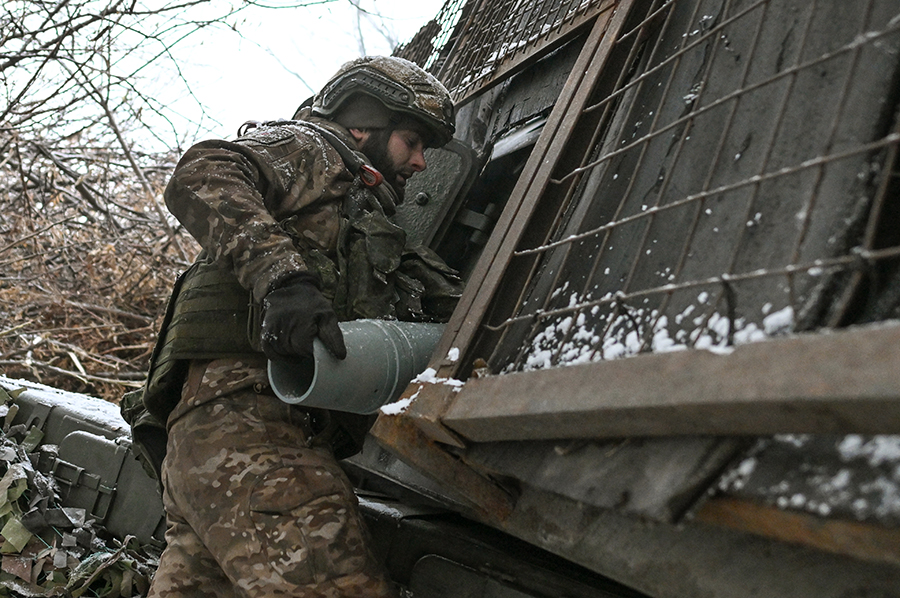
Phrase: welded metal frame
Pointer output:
(564, 157)
(474, 44)
(563, 186)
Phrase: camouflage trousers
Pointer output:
(253, 510)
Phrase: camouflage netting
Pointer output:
(48, 549)
(87, 258)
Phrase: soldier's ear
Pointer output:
(360, 135)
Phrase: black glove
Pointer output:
(293, 315)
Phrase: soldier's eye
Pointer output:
(412, 140)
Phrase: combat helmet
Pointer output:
(402, 86)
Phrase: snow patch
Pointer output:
(878, 449)
(398, 407)
(779, 322)
(429, 376)
(98, 411)
(591, 330)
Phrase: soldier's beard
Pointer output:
(376, 149)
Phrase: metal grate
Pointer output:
(729, 181)
(472, 44)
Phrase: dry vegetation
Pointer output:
(87, 253)
(86, 263)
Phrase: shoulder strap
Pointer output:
(355, 161)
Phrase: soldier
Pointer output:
(294, 218)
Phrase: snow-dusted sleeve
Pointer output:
(231, 197)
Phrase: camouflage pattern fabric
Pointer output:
(253, 509)
(238, 198)
(280, 201)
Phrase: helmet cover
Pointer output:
(400, 85)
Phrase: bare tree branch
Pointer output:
(86, 146)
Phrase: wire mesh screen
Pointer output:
(473, 43)
(734, 177)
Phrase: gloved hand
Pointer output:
(293, 315)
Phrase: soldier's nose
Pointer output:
(417, 161)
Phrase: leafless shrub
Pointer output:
(87, 252)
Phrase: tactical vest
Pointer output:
(209, 316)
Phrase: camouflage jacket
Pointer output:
(280, 200)
(234, 196)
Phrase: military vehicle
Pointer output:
(675, 369)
